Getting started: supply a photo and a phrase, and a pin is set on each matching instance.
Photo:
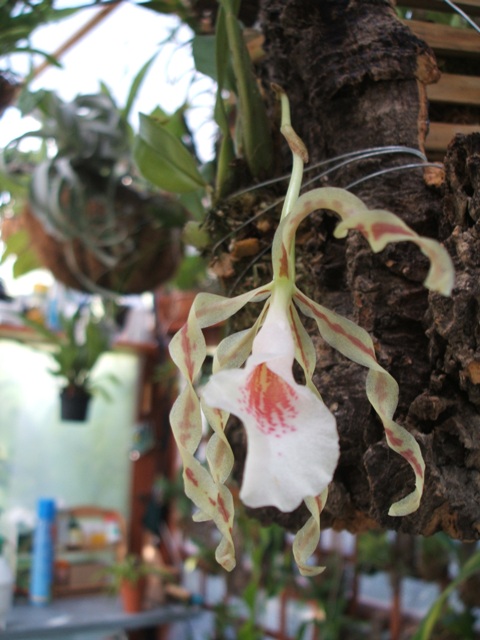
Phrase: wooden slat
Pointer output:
(470, 7)
(455, 89)
(446, 40)
(440, 134)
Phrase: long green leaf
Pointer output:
(226, 155)
(164, 160)
(136, 84)
(424, 632)
(204, 51)
(256, 136)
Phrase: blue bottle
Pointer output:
(43, 553)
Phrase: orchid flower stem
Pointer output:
(298, 149)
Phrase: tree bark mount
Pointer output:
(356, 77)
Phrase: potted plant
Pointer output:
(91, 219)
(128, 579)
(76, 349)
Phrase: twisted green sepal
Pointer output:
(306, 540)
(379, 227)
(382, 391)
(204, 487)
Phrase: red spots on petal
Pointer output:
(212, 502)
(381, 389)
(337, 328)
(379, 229)
(191, 476)
(298, 340)
(183, 438)
(284, 263)
(224, 512)
(336, 205)
(271, 401)
(190, 406)
(361, 227)
(187, 349)
(411, 458)
(394, 440)
(188, 424)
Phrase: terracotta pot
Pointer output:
(173, 308)
(131, 594)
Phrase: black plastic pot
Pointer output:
(74, 403)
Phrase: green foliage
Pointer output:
(130, 569)
(256, 139)
(18, 245)
(94, 153)
(448, 17)
(268, 574)
(191, 273)
(163, 159)
(75, 356)
(173, 7)
(90, 128)
(20, 18)
(426, 628)
(374, 552)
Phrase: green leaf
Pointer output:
(136, 84)
(255, 131)
(193, 203)
(163, 159)
(204, 53)
(24, 263)
(226, 155)
(190, 273)
(174, 123)
(19, 245)
(424, 632)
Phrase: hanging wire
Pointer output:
(363, 155)
(346, 158)
(465, 16)
(349, 158)
(401, 167)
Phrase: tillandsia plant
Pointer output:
(292, 439)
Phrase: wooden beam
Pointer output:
(470, 7)
(440, 134)
(76, 37)
(446, 40)
(455, 89)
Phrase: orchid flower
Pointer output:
(292, 440)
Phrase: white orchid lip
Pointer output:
(292, 440)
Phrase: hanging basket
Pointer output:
(74, 404)
(133, 253)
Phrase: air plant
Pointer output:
(292, 437)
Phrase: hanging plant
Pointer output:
(91, 219)
(76, 350)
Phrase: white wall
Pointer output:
(75, 463)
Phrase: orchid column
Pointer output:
(292, 440)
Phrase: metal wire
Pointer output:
(465, 16)
(401, 167)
